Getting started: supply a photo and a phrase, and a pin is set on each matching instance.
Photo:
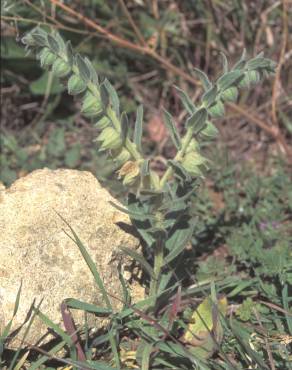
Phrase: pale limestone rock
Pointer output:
(35, 249)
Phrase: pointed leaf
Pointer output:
(177, 242)
(197, 120)
(92, 71)
(224, 62)
(69, 53)
(186, 100)
(204, 79)
(210, 96)
(89, 263)
(138, 128)
(169, 122)
(113, 96)
(145, 167)
(229, 79)
(54, 46)
(88, 307)
(83, 69)
(124, 126)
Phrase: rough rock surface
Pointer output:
(35, 249)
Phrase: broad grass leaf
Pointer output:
(88, 307)
(35, 365)
(89, 263)
(7, 328)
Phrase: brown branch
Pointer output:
(145, 50)
(132, 23)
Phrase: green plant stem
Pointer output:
(179, 156)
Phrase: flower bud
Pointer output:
(210, 130)
(110, 139)
(193, 145)
(76, 85)
(61, 68)
(91, 105)
(217, 110)
(155, 180)
(121, 156)
(46, 57)
(130, 171)
(191, 163)
(103, 123)
(230, 94)
(250, 78)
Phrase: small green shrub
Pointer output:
(163, 210)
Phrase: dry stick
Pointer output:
(145, 50)
(276, 84)
(132, 23)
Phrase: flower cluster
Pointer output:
(100, 102)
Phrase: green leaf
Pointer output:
(114, 348)
(146, 353)
(210, 130)
(204, 79)
(82, 68)
(76, 85)
(92, 71)
(229, 79)
(60, 41)
(242, 61)
(179, 170)
(145, 167)
(186, 100)
(178, 241)
(57, 329)
(139, 258)
(169, 122)
(89, 263)
(69, 53)
(40, 86)
(113, 96)
(224, 62)
(259, 62)
(197, 120)
(88, 307)
(35, 365)
(124, 126)
(209, 97)
(138, 128)
(139, 216)
(205, 331)
(53, 44)
(72, 156)
(7, 328)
